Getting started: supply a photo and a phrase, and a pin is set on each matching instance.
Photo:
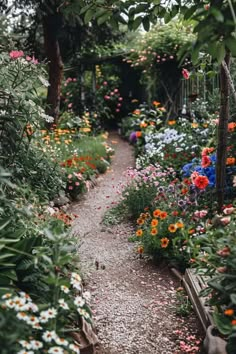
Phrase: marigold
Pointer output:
(156, 103)
(138, 134)
(164, 242)
(157, 213)
(140, 221)
(171, 122)
(172, 228)
(194, 125)
(191, 231)
(179, 225)
(163, 215)
(143, 125)
(201, 182)
(154, 231)
(230, 161)
(231, 126)
(154, 222)
(229, 312)
(139, 233)
(137, 112)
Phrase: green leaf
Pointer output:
(188, 14)
(146, 24)
(233, 298)
(88, 16)
(136, 23)
(104, 18)
(231, 344)
(220, 52)
(223, 323)
(231, 45)
(217, 14)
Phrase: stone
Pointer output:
(212, 343)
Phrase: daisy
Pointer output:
(48, 336)
(75, 348)
(25, 344)
(6, 296)
(35, 344)
(22, 316)
(63, 304)
(25, 352)
(62, 341)
(56, 350)
(65, 289)
(79, 301)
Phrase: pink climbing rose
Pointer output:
(186, 74)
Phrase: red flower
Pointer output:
(201, 182)
(185, 74)
(206, 161)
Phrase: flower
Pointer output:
(75, 348)
(154, 231)
(15, 54)
(163, 215)
(133, 137)
(154, 222)
(185, 74)
(206, 161)
(156, 103)
(138, 134)
(172, 228)
(62, 341)
(48, 336)
(201, 182)
(63, 304)
(25, 352)
(140, 221)
(35, 344)
(25, 344)
(230, 161)
(140, 249)
(156, 213)
(164, 242)
(139, 233)
(171, 122)
(56, 350)
(233, 322)
(229, 312)
(65, 289)
(79, 301)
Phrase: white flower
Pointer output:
(83, 313)
(47, 118)
(33, 307)
(87, 295)
(52, 313)
(48, 336)
(75, 348)
(25, 352)
(6, 296)
(77, 285)
(56, 350)
(25, 344)
(35, 344)
(76, 277)
(44, 81)
(62, 341)
(79, 301)
(10, 304)
(22, 316)
(63, 304)
(65, 289)
(32, 320)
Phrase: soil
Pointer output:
(133, 301)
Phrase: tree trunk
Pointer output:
(51, 27)
(222, 134)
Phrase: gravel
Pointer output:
(133, 301)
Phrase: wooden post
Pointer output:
(94, 83)
(222, 134)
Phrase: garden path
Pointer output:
(133, 301)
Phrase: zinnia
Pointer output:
(186, 74)
(201, 182)
(206, 161)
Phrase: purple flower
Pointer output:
(133, 137)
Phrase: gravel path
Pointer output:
(132, 300)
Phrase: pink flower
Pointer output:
(77, 183)
(194, 175)
(70, 176)
(120, 98)
(228, 211)
(70, 188)
(15, 54)
(28, 58)
(105, 83)
(225, 220)
(74, 79)
(106, 97)
(119, 105)
(69, 105)
(112, 93)
(34, 61)
(185, 74)
(116, 90)
(117, 110)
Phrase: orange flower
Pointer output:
(184, 191)
(152, 123)
(231, 126)
(194, 125)
(233, 322)
(143, 125)
(175, 213)
(201, 182)
(137, 112)
(172, 228)
(229, 312)
(156, 103)
(191, 231)
(154, 222)
(154, 231)
(171, 122)
(139, 233)
(207, 151)
(140, 221)
(138, 134)
(140, 250)
(164, 242)
(163, 215)
(157, 213)
(230, 161)
(179, 224)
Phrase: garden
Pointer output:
(117, 177)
